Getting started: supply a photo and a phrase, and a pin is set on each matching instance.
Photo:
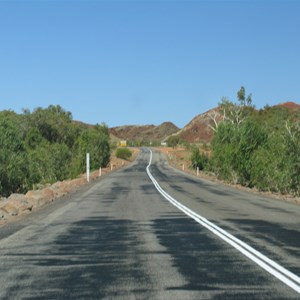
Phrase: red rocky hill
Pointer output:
(290, 105)
(199, 128)
(146, 133)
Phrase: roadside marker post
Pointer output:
(88, 167)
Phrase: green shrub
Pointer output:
(13, 158)
(96, 142)
(259, 149)
(198, 159)
(123, 153)
(173, 141)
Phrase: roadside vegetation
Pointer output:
(45, 146)
(254, 148)
(123, 153)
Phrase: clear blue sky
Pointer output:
(146, 62)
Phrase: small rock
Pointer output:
(40, 197)
(10, 208)
(3, 215)
(16, 204)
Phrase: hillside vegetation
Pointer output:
(45, 146)
(255, 148)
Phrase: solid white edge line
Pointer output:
(284, 275)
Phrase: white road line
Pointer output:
(284, 275)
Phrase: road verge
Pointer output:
(17, 205)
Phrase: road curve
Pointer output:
(119, 238)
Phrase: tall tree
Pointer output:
(243, 100)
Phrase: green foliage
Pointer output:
(96, 142)
(173, 141)
(33, 138)
(269, 172)
(54, 124)
(49, 163)
(261, 149)
(233, 147)
(46, 146)
(123, 153)
(249, 137)
(198, 159)
(13, 157)
(224, 152)
(241, 95)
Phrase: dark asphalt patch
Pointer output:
(207, 264)
(88, 259)
(275, 234)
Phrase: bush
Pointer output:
(94, 141)
(251, 136)
(224, 155)
(13, 158)
(233, 148)
(173, 141)
(46, 146)
(276, 166)
(198, 160)
(123, 153)
(262, 150)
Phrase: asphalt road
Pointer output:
(119, 238)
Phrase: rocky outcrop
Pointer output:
(18, 204)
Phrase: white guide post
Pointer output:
(197, 171)
(88, 167)
(100, 172)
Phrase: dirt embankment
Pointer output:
(19, 204)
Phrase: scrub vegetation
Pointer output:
(123, 153)
(255, 148)
(45, 146)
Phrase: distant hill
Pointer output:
(146, 133)
(290, 105)
(199, 130)
(196, 131)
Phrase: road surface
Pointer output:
(120, 238)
